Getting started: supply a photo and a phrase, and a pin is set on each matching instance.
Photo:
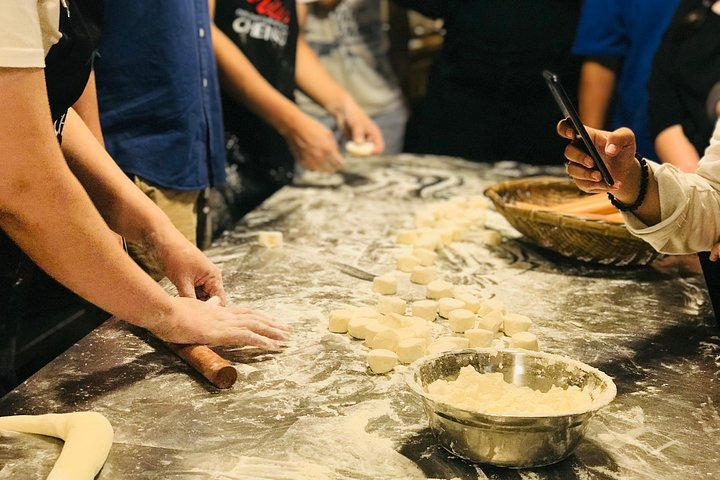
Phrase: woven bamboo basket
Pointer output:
(582, 239)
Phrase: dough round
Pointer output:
(357, 327)
(438, 347)
(426, 309)
(426, 257)
(491, 321)
(461, 320)
(372, 329)
(514, 323)
(438, 289)
(479, 337)
(429, 241)
(525, 340)
(406, 237)
(446, 305)
(385, 284)
(406, 262)
(422, 275)
(387, 305)
(410, 349)
(381, 360)
(365, 312)
(270, 239)
(478, 201)
(364, 149)
(386, 339)
(471, 302)
(491, 238)
(488, 306)
(338, 321)
(457, 342)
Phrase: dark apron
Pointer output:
(68, 66)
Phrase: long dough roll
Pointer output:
(88, 437)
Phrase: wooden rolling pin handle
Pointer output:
(211, 365)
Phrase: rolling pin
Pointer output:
(212, 366)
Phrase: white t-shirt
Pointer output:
(689, 206)
(28, 28)
(352, 46)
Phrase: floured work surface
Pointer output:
(314, 412)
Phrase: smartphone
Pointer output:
(568, 110)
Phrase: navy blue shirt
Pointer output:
(158, 92)
(631, 32)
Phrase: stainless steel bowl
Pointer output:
(510, 440)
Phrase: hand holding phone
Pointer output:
(568, 110)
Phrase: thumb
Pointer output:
(214, 301)
(619, 140)
(186, 289)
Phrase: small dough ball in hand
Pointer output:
(381, 360)
(364, 149)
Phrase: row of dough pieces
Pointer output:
(395, 337)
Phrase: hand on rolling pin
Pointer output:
(617, 150)
(193, 274)
(357, 126)
(313, 145)
(210, 323)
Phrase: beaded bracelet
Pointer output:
(644, 177)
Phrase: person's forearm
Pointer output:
(45, 210)
(597, 84)
(87, 107)
(312, 78)
(673, 147)
(328, 4)
(241, 80)
(124, 207)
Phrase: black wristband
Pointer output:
(644, 179)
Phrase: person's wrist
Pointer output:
(290, 125)
(635, 187)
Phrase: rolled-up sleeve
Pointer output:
(27, 30)
(689, 206)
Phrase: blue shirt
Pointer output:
(158, 92)
(629, 30)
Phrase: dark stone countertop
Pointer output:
(312, 411)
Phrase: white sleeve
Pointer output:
(689, 206)
(28, 28)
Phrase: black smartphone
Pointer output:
(568, 110)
